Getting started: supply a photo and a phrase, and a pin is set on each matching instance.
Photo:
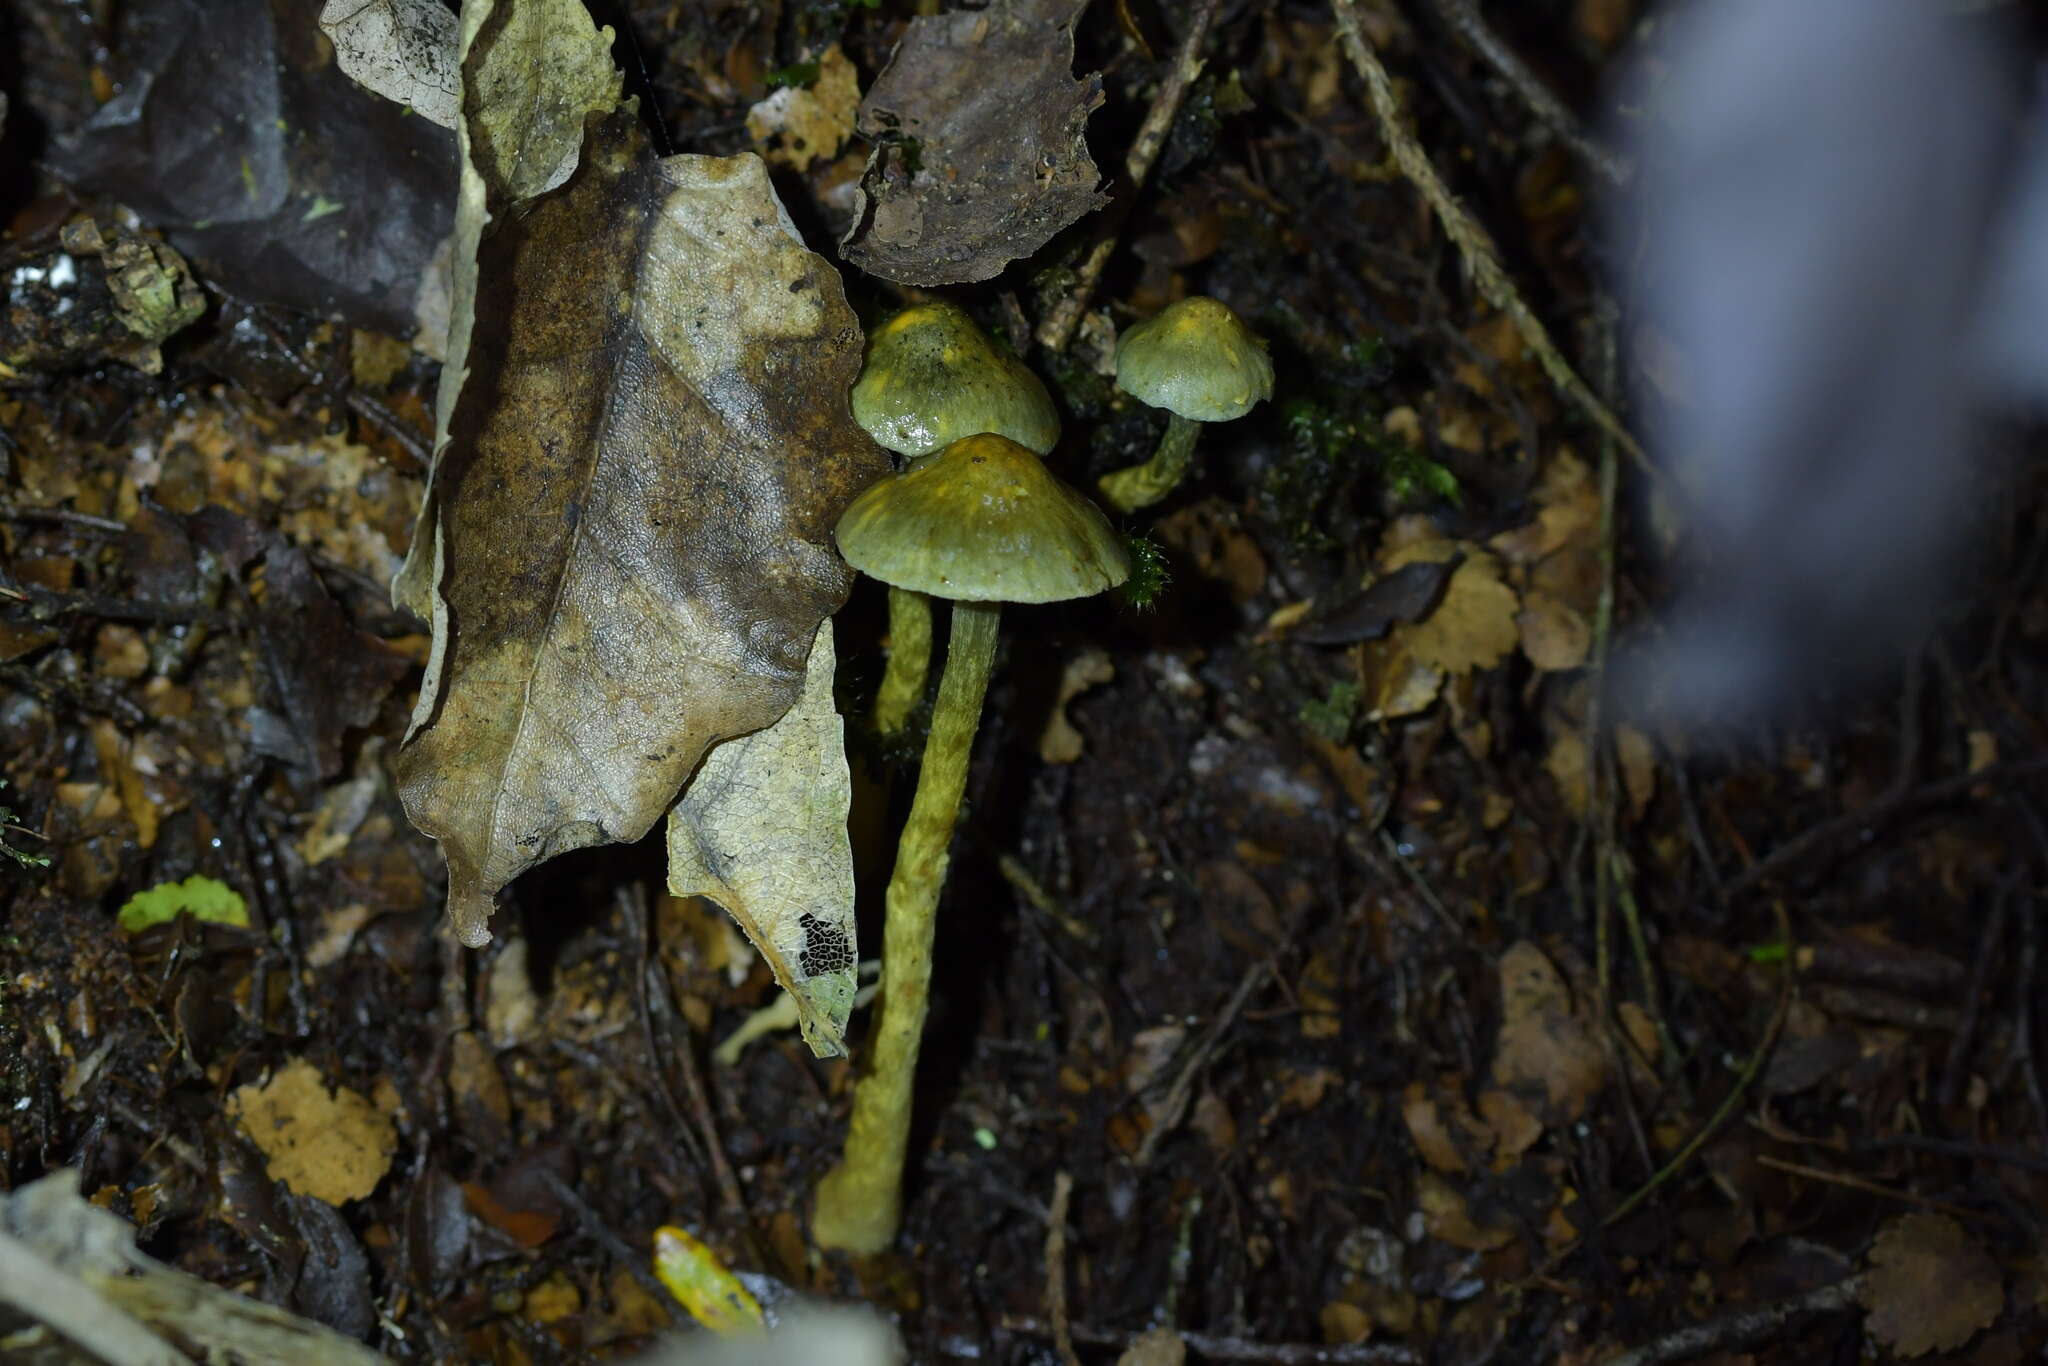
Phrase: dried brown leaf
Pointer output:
(980, 155)
(1548, 1048)
(1473, 626)
(633, 511)
(1930, 1287)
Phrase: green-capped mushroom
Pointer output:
(983, 522)
(1197, 360)
(930, 377)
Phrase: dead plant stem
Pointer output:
(1057, 328)
(1471, 239)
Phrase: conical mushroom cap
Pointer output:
(983, 521)
(931, 377)
(1195, 358)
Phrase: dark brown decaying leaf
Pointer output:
(635, 505)
(1930, 1287)
(329, 676)
(980, 156)
(1408, 594)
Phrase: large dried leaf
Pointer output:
(762, 831)
(534, 73)
(980, 155)
(633, 508)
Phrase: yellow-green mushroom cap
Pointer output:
(983, 521)
(1195, 358)
(931, 376)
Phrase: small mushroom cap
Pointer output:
(983, 521)
(1195, 358)
(931, 377)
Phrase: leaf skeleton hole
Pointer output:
(826, 948)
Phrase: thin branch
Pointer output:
(1464, 16)
(1056, 1270)
(1472, 240)
(1744, 1328)
(1057, 328)
(1219, 1348)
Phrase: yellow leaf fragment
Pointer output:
(762, 832)
(703, 1286)
(334, 1146)
(797, 125)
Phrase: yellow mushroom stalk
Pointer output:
(981, 523)
(930, 377)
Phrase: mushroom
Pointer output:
(981, 523)
(930, 377)
(1197, 360)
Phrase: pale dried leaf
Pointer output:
(762, 831)
(633, 509)
(404, 50)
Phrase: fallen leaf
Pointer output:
(1059, 742)
(1568, 503)
(234, 129)
(1449, 1219)
(334, 1146)
(703, 1286)
(1930, 1287)
(1547, 1050)
(1407, 594)
(979, 152)
(404, 50)
(762, 832)
(1473, 626)
(1637, 759)
(206, 898)
(799, 124)
(1155, 1347)
(633, 512)
(1554, 636)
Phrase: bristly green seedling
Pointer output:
(1150, 574)
(7, 827)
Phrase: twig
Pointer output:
(1056, 1270)
(2023, 1015)
(1057, 328)
(1734, 1097)
(1219, 1348)
(1464, 16)
(1957, 1148)
(1744, 1328)
(84, 521)
(1198, 1057)
(722, 1174)
(598, 1231)
(1885, 808)
(1472, 241)
(1868, 1187)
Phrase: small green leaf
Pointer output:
(1332, 718)
(205, 897)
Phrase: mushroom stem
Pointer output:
(860, 1201)
(910, 659)
(1139, 486)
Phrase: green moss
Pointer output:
(1333, 717)
(1150, 575)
